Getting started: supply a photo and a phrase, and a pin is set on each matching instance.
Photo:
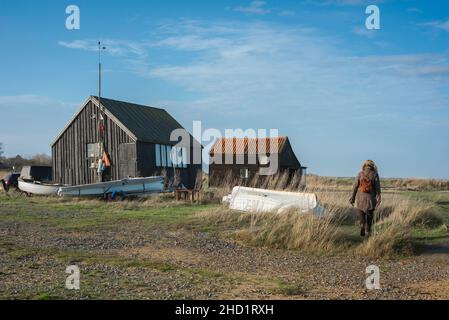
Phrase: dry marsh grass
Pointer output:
(291, 230)
(416, 184)
(389, 242)
(392, 233)
(394, 221)
(307, 232)
(409, 184)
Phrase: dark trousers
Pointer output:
(366, 220)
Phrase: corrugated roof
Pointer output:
(248, 145)
(146, 123)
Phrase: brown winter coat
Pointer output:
(366, 201)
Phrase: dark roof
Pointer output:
(142, 123)
(147, 124)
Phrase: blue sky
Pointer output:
(311, 69)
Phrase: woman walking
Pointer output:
(366, 195)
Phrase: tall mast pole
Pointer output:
(99, 74)
(102, 113)
(102, 124)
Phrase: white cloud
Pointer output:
(342, 2)
(364, 32)
(414, 10)
(261, 65)
(412, 64)
(440, 25)
(287, 13)
(264, 65)
(29, 101)
(255, 7)
(331, 101)
(113, 47)
(78, 44)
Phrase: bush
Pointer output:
(389, 242)
(294, 230)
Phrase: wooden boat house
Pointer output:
(240, 160)
(132, 140)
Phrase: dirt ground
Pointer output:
(166, 252)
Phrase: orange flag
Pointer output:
(106, 160)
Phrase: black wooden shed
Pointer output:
(136, 139)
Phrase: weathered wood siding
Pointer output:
(70, 162)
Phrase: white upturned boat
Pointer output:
(124, 187)
(38, 188)
(262, 200)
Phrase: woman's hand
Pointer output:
(378, 200)
(351, 201)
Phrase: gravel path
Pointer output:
(178, 263)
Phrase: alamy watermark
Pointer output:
(373, 280)
(372, 22)
(262, 143)
(73, 21)
(72, 282)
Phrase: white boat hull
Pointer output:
(124, 186)
(38, 189)
(262, 200)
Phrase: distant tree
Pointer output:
(1, 150)
(41, 159)
(18, 161)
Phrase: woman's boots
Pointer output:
(366, 222)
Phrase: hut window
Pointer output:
(174, 156)
(158, 155)
(164, 155)
(244, 173)
(177, 157)
(93, 150)
(169, 157)
(184, 157)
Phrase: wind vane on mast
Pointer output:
(102, 122)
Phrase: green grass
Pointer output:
(440, 198)
(93, 214)
(294, 288)
(429, 236)
(440, 234)
(75, 215)
(61, 217)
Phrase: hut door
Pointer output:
(127, 160)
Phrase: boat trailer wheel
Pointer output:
(112, 196)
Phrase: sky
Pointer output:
(311, 69)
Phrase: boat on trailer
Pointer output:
(124, 187)
(38, 188)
